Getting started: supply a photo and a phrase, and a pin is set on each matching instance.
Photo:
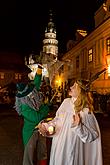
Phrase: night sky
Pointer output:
(23, 22)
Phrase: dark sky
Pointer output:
(23, 22)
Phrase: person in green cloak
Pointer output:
(30, 105)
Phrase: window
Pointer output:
(20, 76)
(2, 75)
(90, 55)
(108, 46)
(44, 49)
(17, 76)
(77, 62)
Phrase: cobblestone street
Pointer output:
(11, 149)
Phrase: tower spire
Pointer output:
(50, 14)
(51, 26)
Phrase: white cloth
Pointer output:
(79, 145)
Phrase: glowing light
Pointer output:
(82, 32)
(58, 82)
(104, 6)
(51, 129)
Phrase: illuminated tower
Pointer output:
(50, 43)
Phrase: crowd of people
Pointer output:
(76, 138)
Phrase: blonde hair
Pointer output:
(84, 100)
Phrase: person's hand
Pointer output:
(39, 69)
(40, 66)
(42, 129)
(45, 129)
(76, 119)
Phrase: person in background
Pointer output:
(59, 97)
(30, 105)
(76, 138)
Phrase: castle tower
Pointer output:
(50, 43)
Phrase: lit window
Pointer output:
(2, 75)
(16, 76)
(19, 76)
(108, 46)
(90, 55)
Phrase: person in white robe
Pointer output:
(76, 139)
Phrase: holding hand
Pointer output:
(76, 119)
(46, 129)
(42, 129)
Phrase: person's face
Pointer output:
(74, 90)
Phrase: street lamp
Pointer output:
(58, 82)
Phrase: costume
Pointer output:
(75, 145)
(29, 104)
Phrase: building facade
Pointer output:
(91, 54)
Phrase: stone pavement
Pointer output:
(11, 149)
(104, 123)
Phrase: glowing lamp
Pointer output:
(51, 129)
